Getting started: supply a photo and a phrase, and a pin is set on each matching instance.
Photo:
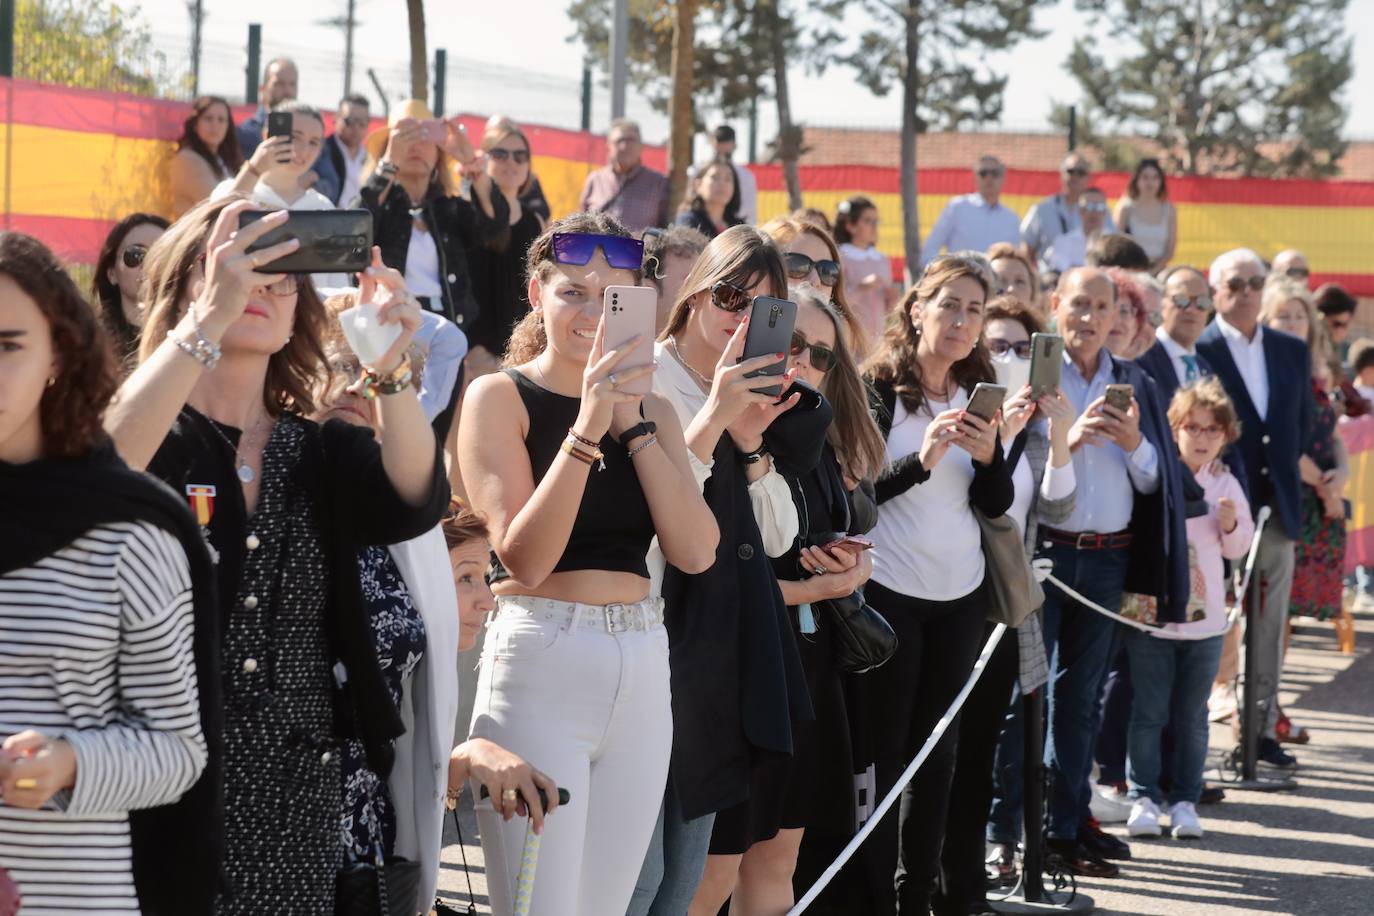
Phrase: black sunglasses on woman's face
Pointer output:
(729, 297)
(521, 156)
(133, 256)
(799, 267)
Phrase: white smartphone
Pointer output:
(630, 312)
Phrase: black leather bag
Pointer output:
(358, 892)
(863, 638)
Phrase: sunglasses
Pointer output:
(1298, 273)
(823, 358)
(1237, 284)
(1094, 207)
(728, 297)
(133, 256)
(355, 122)
(1201, 303)
(578, 247)
(1077, 173)
(999, 347)
(799, 266)
(989, 173)
(521, 156)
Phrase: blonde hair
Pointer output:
(1278, 293)
(784, 230)
(1205, 394)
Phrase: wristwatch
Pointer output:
(387, 168)
(645, 428)
(756, 455)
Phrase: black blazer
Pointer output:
(1270, 447)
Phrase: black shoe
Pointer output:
(1273, 757)
(1211, 795)
(1101, 843)
(1071, 856)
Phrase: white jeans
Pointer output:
(589, 706)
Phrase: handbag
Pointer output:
(1013, 592)
(381, 889)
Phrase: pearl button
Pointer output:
(326, 757)
(1264, 439)
(250, 665)
(250, 602)
(253, 542)
(453, 278)
(1264, 472)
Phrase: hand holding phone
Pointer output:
(434, 130)
(771, 322)
(986, 400)
(331, 241)
(281, 124)
(631, 315)
(1047, 361)
(851, 542)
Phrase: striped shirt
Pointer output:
(95, 647)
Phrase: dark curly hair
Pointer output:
(73, 406)
(107, 291)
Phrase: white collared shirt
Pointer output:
(969, 222)
(1249, 357)
(1176, 353)
(353, 167)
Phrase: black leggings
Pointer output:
(938, 643)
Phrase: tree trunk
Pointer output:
(419, 57)
(789, 135)
(911, 89)
(683, 126)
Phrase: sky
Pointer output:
(514, 56)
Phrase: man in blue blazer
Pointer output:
(1268, 375)
(1126, 533)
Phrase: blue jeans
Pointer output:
(1172, 680)
(1080, 643)
(675, 862)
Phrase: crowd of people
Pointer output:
(229, 664)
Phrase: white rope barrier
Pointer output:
(896, 791)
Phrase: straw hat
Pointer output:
(414, 109)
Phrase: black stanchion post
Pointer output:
(1249, 716)
(1033, 862)
(440, 80)
(251, 72)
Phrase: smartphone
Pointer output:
(1047, 359)
(630, 312)
(332, 241)
(563, 796)
(435, 130)
(986, 400)
(771, 322)
(279, 123)
(852, 541)
(1119, 396)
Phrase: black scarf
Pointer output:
(50, 503)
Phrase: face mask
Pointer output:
(1012, 373)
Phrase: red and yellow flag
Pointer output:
(201, 496)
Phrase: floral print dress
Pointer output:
(1319, 554)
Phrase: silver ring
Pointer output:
(819, 570)
(611, 379)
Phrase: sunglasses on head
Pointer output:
(823, 358)
(133, 255)
(1298, 273)
(1236, 284)
(728, 297)
(578, 248)
(999, 347)
(521, 156)
(799, 266)
(1201, 303)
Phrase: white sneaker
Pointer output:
(1183, 817)
(1109, 806)
(1144, 819)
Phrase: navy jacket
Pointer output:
(1270, 447)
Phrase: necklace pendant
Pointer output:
(246, 473)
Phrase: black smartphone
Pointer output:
(1047, 359)
(279, 123)
(1119, 396)
(771, 322)
(563, 797)
(986, 400)
(332, 241)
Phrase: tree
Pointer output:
(419, 56)
(923, 45)
(680, 140)
(90, 44)
(1221, 85)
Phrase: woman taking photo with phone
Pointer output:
(577, 475)
(217, 409)
(943, 463)
(117, 275)
(104, 585)
(274, 175)
(207, 153)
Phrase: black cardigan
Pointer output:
(737, 682)
(458, 226)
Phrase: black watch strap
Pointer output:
(646, 428)
(756, 455)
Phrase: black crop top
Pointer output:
(613, 527)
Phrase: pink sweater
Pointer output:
(1210, 546)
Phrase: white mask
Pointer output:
(1013, 373)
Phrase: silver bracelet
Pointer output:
(203, 350)
(642, 446)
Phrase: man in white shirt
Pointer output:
(343, 155)
(1070, 249)
(1058, 213)
(975, 222)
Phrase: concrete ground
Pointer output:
(1304, 853)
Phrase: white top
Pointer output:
(1057, 483)
(422, 266)
(95, 647)
(353, 172)
(268, 198)
(771, 497)
(1249, 357)
(1068, 251)
(1176, 353)
(1153, 237)
(928, 543)
(969, 222)
(748, 195)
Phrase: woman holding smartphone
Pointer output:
(577, 474)
(274, 175)
(943, 463)
(217, 409)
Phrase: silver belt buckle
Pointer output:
(1085, 534)
(615, 618)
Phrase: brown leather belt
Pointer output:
(1087, 540)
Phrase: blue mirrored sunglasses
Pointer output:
(577, 248)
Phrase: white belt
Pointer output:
(611, 618)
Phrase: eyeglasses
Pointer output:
(1077, 173)
(1237, 284)
(1209, 432)
(799, 266)
(729, 297)
(355, 122)
(577, 248)
(133, 256)
(823, 358)
(521, 156)
(1093, 207)
(989, 173)
(999, 347)
(1201, 303)
(1298, 273)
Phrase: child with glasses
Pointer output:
(1172, 671)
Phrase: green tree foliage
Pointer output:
(1246, 86)
(91, 44)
